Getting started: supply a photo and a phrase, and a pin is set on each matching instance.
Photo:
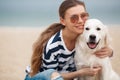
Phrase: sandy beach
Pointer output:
(16, 50)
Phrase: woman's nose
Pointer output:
(80, 20)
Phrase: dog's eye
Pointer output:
(98, 29)
(87, 28)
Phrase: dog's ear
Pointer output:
(107, 37)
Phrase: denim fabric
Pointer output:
(45, 75)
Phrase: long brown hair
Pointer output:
(36, 59)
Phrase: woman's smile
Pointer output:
(80, 27)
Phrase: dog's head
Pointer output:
(95, 34)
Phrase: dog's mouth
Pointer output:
(92, 44)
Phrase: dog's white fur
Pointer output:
(85, 55)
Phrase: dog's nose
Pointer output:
(93, 37)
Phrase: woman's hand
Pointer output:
(104, 52)
(85, 71)
(89, 72)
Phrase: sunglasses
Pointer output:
(75, 18)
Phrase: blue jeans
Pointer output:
(45, 75)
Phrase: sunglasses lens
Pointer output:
(84, 15)
(74, 18)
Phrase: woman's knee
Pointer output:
(56, 76)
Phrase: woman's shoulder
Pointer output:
(53, 45)
(55, 38)
(55, 41)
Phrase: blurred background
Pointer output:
(22, 21)
(45, 12)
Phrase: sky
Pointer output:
(45, 12)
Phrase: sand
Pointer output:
(16, 50)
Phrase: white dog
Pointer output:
(94, 37)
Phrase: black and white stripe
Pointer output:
(56, 55)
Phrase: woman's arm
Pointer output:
(104, 52)
(80, 73)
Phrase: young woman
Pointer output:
(54, 51)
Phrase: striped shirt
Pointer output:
(57, 56)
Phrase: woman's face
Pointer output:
(74, 19)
